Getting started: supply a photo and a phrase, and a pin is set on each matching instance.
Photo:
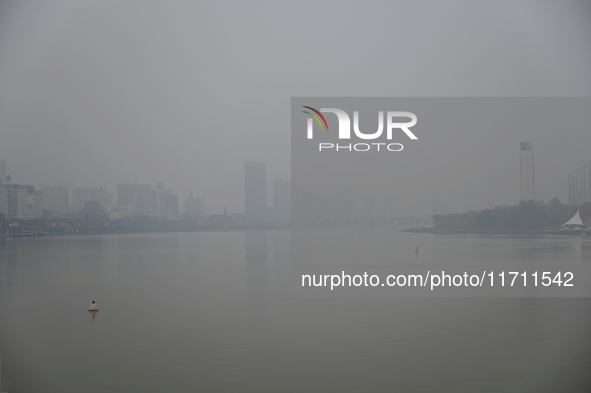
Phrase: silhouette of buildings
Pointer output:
(92, 209)
(165, 203)
(20, 201)
(143, 199)
(579, 185)
(282, 191)
(137, 195)
(55, 198)
(194, 206)
(255, 190)
(82, 195)
(169, 206)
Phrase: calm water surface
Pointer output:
(214, 312)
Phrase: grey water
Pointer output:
(214, 312)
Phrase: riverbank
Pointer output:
(480, 231)
(73, 230)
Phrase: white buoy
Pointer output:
(93, 307)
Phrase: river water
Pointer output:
(215, 312)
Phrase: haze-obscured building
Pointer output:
(194, 207)
(526, 165)
(255, 190)
(117, 212)
(2, 171)
(55, 198)
(93, 207)
(18, 201)
(137, 195)
(145, 200)
(282, 191)
(579, 185)
(169, 206)
(81, 195)
(165, 203)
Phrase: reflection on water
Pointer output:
(214, 312)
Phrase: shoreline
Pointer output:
(464, 231)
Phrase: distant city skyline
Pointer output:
(85, 102)
(144, 199)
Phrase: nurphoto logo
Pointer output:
(392, 123)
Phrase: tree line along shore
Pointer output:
(530, 216)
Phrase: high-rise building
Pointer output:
(2, 171)
(282, 197)
(579, 185)
(82, 195)
(169, 206)
(164, 201)
(55, 198)
(137, 195)
(193, 206)
(526, 165)
(20, 201)
(255, 190)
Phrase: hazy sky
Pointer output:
(92, 93)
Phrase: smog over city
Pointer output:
(312, 196)
(96, 94)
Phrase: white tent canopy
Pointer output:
(576, 220)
